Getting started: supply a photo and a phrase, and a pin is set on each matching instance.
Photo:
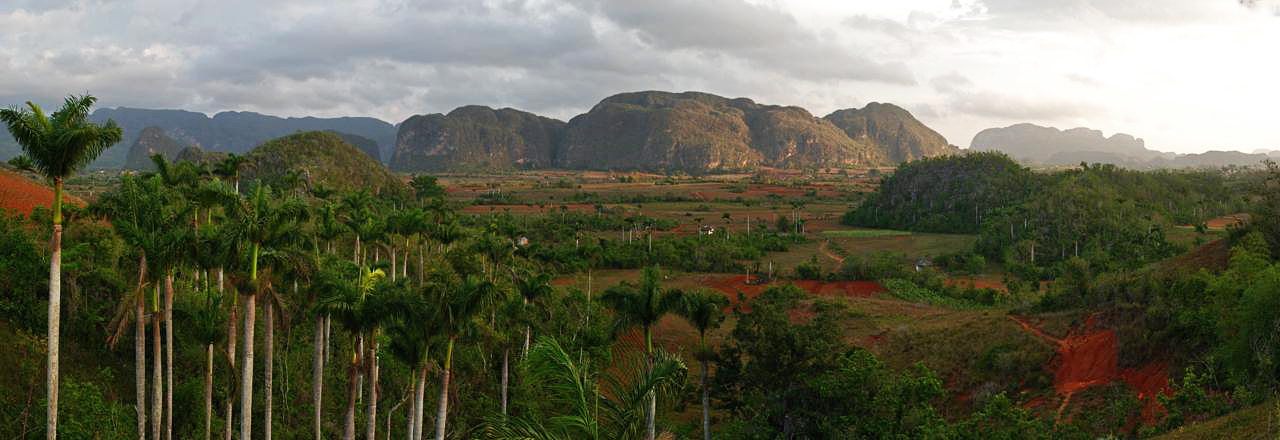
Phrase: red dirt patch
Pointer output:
(1088, 357)
(18, 193)
(840, 288)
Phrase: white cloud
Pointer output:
(1186, 75)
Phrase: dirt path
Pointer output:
(823, 248)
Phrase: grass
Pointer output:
(1256, 422)
(864, 233)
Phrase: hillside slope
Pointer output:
(323, 158)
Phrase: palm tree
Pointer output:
(58, 146)
(351, 300)
(411, 335)
(704, 310)
(459, 303)
(268, 226)
(532, 288)
(358, 217)
(615, 412)
(229, 168)
(137, 211)
(643, 305)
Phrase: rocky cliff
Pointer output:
(477, 137)
(893, 130)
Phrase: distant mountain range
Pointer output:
(652, 130)
(234, 132)
(1050, 146)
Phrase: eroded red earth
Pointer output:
(1087, 357)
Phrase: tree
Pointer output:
(351, 299)
(141, 212)
(230, 167)
(590, 412)
(643, 305)
(704, 310)
(458, 303)
(425, 187)
(22, 163)
(267, 226)
(58, 147)
(532, 288)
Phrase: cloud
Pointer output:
(960, 65)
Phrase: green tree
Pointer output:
(58, 146)
(643, 305)
(267, 225)
(705, 311)
(459, 302)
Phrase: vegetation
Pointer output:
(300, 308)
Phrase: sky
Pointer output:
(1185, 75)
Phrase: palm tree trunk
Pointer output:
(360, 371)
(268, 376)
(140, 363)
(328, 325)
(140, 349)
(208, 392)
(419, 404)
(349, 419)
(505, 376)
(393, 264)
(442, 412)
(228, 406)
(246, 368)
(652, 410)
(706, 404)
(168, 356)
(373, 388)
(317, 376)
(157, 385)
(528, 330)
(55, 311)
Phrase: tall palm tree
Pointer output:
(267, 225)
(229, 168)
(459, 303)
(704, 310)
(358, 217)
(140, 212)
(532, 288)
(643, 305)
(58, 146)
(352, 301)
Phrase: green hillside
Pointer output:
(320, 157)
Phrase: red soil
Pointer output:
(840, 288)
(1088, 357)
(482, 209)
(17, 193)
(1227, 221)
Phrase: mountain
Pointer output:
(1049, 146)
(899, 134)
(322, 157)
(152, 140)
(699, 132)
(234, 132)
(654, 130)
(1036, 144)
(476, 137)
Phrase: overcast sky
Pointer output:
(1186, 75)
